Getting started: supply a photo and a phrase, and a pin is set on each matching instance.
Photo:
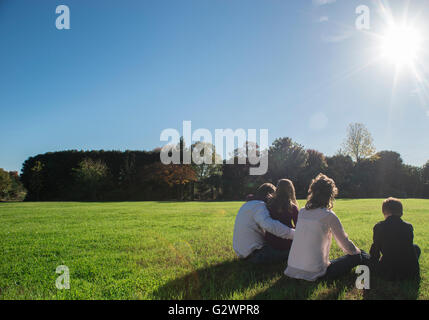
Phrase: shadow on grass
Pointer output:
(341, 288)
(223, 280)
(293, 289)
(219, 281)
(392, 290)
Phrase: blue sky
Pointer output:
(126, 70)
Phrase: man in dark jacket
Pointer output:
(393, 241)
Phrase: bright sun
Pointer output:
(401, 45)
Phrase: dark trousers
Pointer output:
(268, 255)
(393, 272)
(345, 264)
(418, 251)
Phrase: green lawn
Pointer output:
(170, 250)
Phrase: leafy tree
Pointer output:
(425, 178)
(236, 182)
(172, 175)
(91, 175)
(209, 172)
(57, 179)
(411, 181)
(359, 142)
(425, 173)
(316, 163)
(341, 168)
(36, 182)
(5, 184)
(17, 191)
(286, 159)
(389, 176)
(236, 179)
(127, 173)
(364, 178)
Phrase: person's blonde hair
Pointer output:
(321, 193)
(284, 198)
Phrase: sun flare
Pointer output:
(401, 45)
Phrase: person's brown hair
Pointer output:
(321, 193)
(264, 191)
(284, 198)
(393, 206)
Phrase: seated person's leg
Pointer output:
(366, 258)
(257, 256)
(277, 256)
(344, 265)
(268, 255)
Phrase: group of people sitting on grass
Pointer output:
(270, 228)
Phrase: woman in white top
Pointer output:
(309, 255)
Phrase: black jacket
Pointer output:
(393, 239)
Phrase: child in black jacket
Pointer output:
(393, 241)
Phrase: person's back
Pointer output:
(309, 255)
(283, 207)
(288, 218)
(252, 221)
(247, 235)
(393, 242)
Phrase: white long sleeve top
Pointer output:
(252, 220)
(309, 254)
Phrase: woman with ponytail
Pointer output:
(284, 208)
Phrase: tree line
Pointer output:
(358, 170)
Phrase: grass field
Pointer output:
(153, 250)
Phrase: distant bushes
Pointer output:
(139, 175)
(88, 175)
(11, 188)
